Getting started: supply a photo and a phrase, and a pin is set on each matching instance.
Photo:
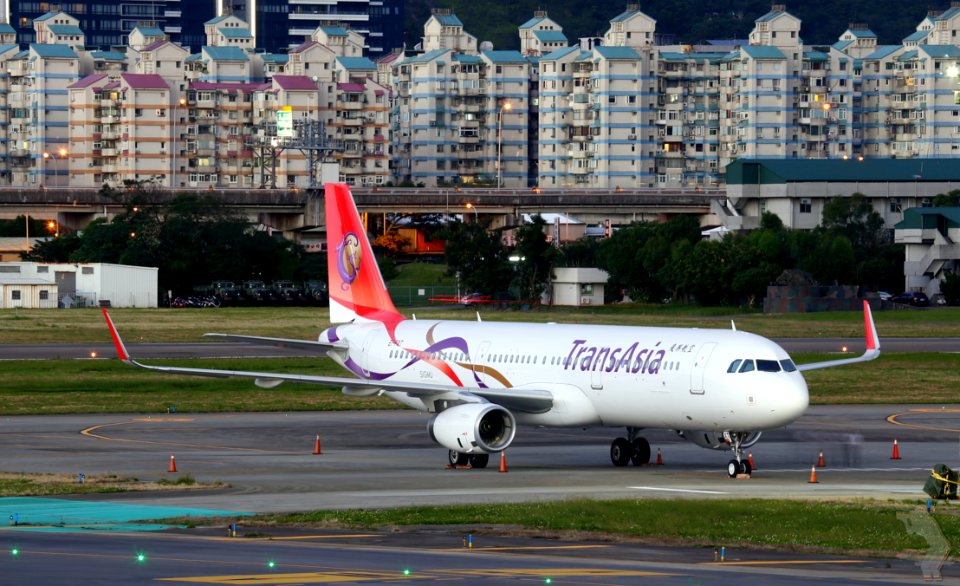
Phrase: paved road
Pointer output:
(323, 557)
(232, 350)
(379, 459)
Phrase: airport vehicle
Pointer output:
(717, 388)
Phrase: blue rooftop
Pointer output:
(467, 59)
(884, 51)
(235, 33)
(275, 57)
(218, 19)
(916, 37)
(149, 31)
(428, 56)
(862, 33)
(941, 51)
(108, 55)
(762, 52)
(5, 29)
(356, 63)
(65, 29)
(532, 22)
(448, 19)
(816, 56)
(624, 16)
(550, 36)
(559, 53)
(504, 56)
(226, 53)
(334, 31)
(53, 51)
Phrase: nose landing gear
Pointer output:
(738, 465)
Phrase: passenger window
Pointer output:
(734, 365)
(788, 365)
(768, 366)
(747, 366)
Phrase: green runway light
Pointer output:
(14, 552)
(141, 557)
(406, 571)
(271, 564)
(548, 581)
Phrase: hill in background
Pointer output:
(690, 21)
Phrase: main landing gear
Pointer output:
(473, 460)
(738, 465)
(623, 450)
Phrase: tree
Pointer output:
(478, 257)
(856, 219)
(537, 258)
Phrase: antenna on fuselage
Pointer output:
(478, 316)
(733, 325)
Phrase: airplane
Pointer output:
(479, 380)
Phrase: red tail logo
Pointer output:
(357, 290)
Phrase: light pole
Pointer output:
(505, 106)
(173, 155)
(62, 155)
(824, 151)
(470, 206)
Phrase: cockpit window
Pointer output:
(768, 366)
(747, 366)
(788, 365)
(734, 365)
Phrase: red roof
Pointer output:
(351, 87)
(155, 45)
(304, 46)
(145, 81)
(295, 82)
(87, 81)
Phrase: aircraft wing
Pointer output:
(872, 351)
(279, 342)
(528, 400)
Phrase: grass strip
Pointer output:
(17, 484)
(77, 326)
(861, 526)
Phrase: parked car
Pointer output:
(884, 296)
(286, 291)
(257, 292)
(316, 291)
(914, 298)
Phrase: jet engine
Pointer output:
(719, 440)
(473, 428)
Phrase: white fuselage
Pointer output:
(655, 377)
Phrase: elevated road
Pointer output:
(293, 209)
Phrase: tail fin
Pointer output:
(357, 290)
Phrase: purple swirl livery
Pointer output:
(348, 259)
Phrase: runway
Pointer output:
(384, 459)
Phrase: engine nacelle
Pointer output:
(473, 428)
(719, 440)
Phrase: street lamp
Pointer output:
(505, 106)
(826, 127)
(61, 154)
(470, 206)
(173, 157)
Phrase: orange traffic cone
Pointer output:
(820, 461)
(813, 476)
(503, 461)
(896, 450)
(659, 458)
(173, 464)
(750, 459)
(316, 446)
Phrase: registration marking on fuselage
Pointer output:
(684, 490)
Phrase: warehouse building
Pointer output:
(77, 285)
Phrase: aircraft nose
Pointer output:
(796, 399)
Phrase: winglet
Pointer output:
(870, 330)
(117, 342)
(872, 342)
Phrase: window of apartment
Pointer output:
(806, 206)
(138, 112)
(44, 295)
(15, 295)
(86, 270)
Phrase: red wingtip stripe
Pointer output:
(117, 342)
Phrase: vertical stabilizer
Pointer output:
(357, 290)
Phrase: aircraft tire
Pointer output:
(479, 460)
(745, 467)
(733, 468)
(458, 458)
(640, 454)
(620, 451)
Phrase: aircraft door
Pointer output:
(699, 365)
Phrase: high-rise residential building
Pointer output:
(283, 24)
(275, 25)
